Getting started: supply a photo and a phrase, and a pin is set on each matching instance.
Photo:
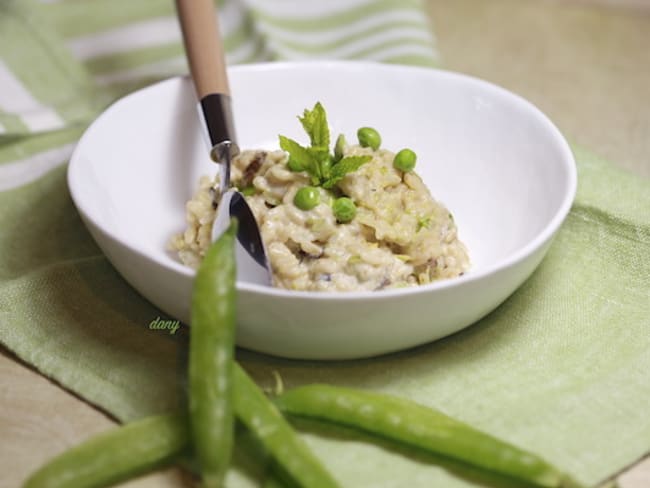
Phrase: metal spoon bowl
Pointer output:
(252, 263)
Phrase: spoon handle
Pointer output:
(198, 19)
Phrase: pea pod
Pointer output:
(212, 339)
(117, 455)
(409, 423)
(260, 416)
(274, 481)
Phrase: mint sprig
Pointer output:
(323, 168)
(315, 124)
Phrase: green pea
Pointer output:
(405, 160)
(339, 147)
(344, 209)
(307, 198)
(369, 137)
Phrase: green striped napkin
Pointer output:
(560, 368)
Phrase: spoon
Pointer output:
(204, 52)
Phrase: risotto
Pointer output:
(392, 233)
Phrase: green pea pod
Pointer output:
(116, 455)
(409, 423)
(261, 417)
(212, 346)
(274, 480)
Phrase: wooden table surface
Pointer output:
(586, 64)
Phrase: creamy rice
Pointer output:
(399, 237)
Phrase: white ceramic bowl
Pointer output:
(498, 164)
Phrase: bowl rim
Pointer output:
(519, 255)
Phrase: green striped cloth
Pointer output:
(560, 368)
(62, 61)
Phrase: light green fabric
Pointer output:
(560, 368)
(34, 53)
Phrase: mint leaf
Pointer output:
(323, 159)
(315, 124)
(423, 223)
(323, 168)
(301, 159)
(343, 167)
(339, 146)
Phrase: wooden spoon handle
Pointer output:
(203, 46)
